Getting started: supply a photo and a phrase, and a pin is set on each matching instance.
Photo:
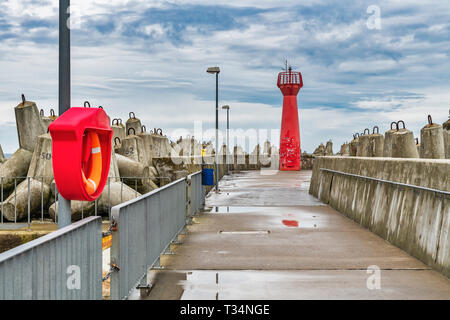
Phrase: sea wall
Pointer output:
(417, 221)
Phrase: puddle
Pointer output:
(272, 217)
(290, 223)
(246, 232)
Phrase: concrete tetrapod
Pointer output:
(329, 148)
(133, 147)
(376, 143)
(48, 120)
(16, 166)
(148, 144)
(41, 165)
(387, 148)
(20, 199)
(274, 158)
(446, 133)
(114, 174)
(80, 210)
(363, 148)
(432, 141)
(345, 150)
(253, 159)
(115, 194)
(40, 172)
(161, 145)
(403, 144)
(135, 174)
(354, 145)
(238, 157)
(320, 150)
(264, 158)
(2, 155)
(133, 123)
(29, 124)
(118, 129)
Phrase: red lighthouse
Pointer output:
(290, 83)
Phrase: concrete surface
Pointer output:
(266, 238)
(415, 221)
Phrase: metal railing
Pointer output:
(144, 229)
(399, 184)
(197, 193)
(63, 265)
(132, 182)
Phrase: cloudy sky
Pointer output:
(150, 57)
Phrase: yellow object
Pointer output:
(106, 242)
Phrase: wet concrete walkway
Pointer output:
(267, 238)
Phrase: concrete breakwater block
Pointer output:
(133, 147)
(387, 148)
(148, 144)
(446, 134)
(133, 123)
(320, 150)
(161, 145)
(354, 145)
(20, 198)
(118, 193)
(432, 141)
(16, 166)
(329, 148)
(376, 144)
(345, 150)
(29, 124)
(363, 148)
(48, 120)
(118, 130)
(41, 165)
(133, 173)
(114, 174)
(79, 209)
(2, 155)
(403, 144)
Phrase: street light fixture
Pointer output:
(227, 107)
(216, 71)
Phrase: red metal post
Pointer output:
(290, 83)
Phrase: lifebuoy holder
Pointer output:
(81, 153)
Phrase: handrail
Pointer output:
(387, 181)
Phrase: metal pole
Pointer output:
(29, 204)
(217, 132)
(64, 214)
(42, 199)
(228, 139)
(2, 198)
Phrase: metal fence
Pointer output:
(42, 210)
(197, 193)
(63, 265)
(145, 227)
(142, 229)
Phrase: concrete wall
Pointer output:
(415, 221)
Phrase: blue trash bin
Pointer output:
(208, 177)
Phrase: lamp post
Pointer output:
(227, 107)
(216, 71)
(64, 207)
